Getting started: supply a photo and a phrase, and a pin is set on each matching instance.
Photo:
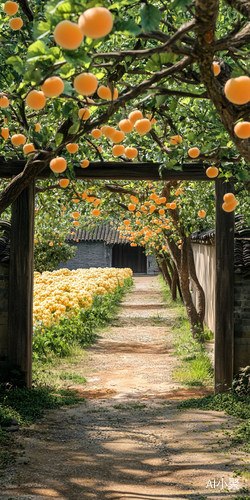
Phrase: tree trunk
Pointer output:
(180, 259)
(195, 282)
(166, 274)
(174, 276)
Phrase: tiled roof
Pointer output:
(101, 233)
(206, 237)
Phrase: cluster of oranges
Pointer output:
(64, 292)
(11, 8)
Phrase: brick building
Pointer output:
(105, 247)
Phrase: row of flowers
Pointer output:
(63, 292)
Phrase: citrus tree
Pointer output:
(127, 81)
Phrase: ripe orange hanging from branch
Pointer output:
(64, 183)
(118, 150)
(53, 86)
(72, 148)
(36, 100)
(96, 212)
(131, 153)
(96, 133)
(18, 139)
(5, 133)
(28, 148)
(83, 114)
(126, 126)
(96, 22)
(202, 213)
(135, 115)
(212, 172)
(118, 136)
(58, 165)
(68, 35)
(237, 90)
(4, 101)
(16, 23)
(142, 126)
(175, 139)
(216, 68)
(85, 84)
(242, 130)
(10, 8)
(193, 152)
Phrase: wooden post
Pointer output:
(21, 282)
(224, 291)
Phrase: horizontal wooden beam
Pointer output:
(111, 170)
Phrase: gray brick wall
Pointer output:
(89, 254)
(241, 323)
(152, 266)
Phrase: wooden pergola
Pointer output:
(22, 248)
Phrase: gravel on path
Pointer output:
(129, 440)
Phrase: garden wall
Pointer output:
(89, 254)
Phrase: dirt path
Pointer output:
(128, 441)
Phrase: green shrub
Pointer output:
(47, 258)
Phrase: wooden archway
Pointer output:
(22, 247)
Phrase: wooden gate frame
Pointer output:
(22, 247)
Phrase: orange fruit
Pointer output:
(143, 126)
(131, 207)
(153, 196)
(64, 183)
(201, 213)
(135, 115)
(18, 139)
(216, 69)
(229, 198)
(126, 222)
(96, 133)
(72, 148)
(212, 172)
(28, 148)
(96, 212)
(175, 139)
(193, 152)
(5, 120)
(173, 206)
(104, 92)
(37, 127)
(99, 149)
(118, 136)
(229, 207)
(84, 163)
(75, 222)
(131, 153)
(118, 150)
(85, 84)
(5, 133)
(152, 208)
(96, 22)
(76, 200)
(134, 199)
(109, 131)
(83, 114)
(53, 86)
(10, 8)
(51, 244)
(126, 126)
(237, 90)
(103, 128)
(36, 100)
(242, 130)
(16, 23)
(152, 120)
(68, 35)
(4, 101)
(75, 215)
(58, 165)
(161, 211)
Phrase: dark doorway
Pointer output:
(127, 256)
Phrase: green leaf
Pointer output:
(173, 105)
(17, 63)
(74, 128)
(41, 30)
(33, 76)
(243, 175)
(127, 26)
(77, 57)
(179, 3)
(154, 63)
(37, 49)
(68, 89)
(150, 17)
(236, 72)
(58, 139)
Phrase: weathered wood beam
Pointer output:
(21, 282)
(224, 291)
(111, 170)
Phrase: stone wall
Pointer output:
(89, 254)
(152, 266)
(241, 322)
(4, 290)
(204, 259)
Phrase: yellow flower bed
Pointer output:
(58, 292)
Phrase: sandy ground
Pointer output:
(129, 440)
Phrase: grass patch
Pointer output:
(195, 368)
(74, 377)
